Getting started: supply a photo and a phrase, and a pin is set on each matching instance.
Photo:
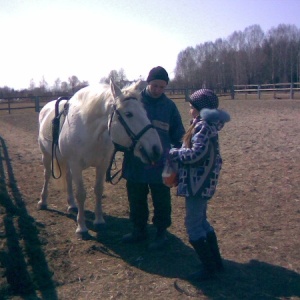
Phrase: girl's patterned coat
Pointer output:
(200, 165)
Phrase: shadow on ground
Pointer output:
(252, 280)
(24, 269)
(22, 261)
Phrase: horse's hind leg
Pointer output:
(46, 158)
(99, 221)
(72, 207)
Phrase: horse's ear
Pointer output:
(116, 91)
(140, 85)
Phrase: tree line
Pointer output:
(246, 57)
(60, 88)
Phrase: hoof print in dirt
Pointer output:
(186, 288)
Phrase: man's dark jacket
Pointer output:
(165, 117)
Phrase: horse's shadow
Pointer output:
(22, 260)
(252, 280)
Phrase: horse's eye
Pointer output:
(129, 114)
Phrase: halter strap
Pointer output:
(134, 137)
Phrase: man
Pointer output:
(142, 178)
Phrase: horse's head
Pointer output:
(130, 128)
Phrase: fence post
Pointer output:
(232, 92)
(8, 102)
(37, 104)
(186, 94)
(291, 92)
(258, 91)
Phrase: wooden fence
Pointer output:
(266, 91)
(33, 102)
(273, 91)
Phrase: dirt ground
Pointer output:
(255, 212)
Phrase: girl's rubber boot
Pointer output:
(213, 244)
(205, 255)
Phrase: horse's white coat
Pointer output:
(86, 141)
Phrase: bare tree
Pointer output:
(32, 84)
(117, 76)
(43, 85)
(113, 75)
(122, 78)
(74, 83)
(57, 85)
(64, 87)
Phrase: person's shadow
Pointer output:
(252, 280)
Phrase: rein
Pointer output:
(110, 178)
(55, 133)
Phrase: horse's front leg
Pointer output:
(80, 195)
(99, 221)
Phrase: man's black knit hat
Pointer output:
(158, 73)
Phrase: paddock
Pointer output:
(255, 212)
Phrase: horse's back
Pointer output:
(84, 136)
(46, 116)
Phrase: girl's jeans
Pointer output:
(196, 222)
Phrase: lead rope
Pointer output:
(109, 177)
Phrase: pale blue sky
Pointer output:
(89, 38)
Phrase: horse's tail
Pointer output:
(59, 172)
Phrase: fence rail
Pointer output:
(275, 90)
(288, 89)
(30, 102)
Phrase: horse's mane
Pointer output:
(92, 98)
(131, 90)
(97, 99)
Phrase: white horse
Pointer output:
(93, 121)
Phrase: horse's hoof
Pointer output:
(73, 210)
(83, 236)
(99, 227)
(42, 206)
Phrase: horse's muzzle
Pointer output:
(153, 156)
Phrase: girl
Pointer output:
(200, 163)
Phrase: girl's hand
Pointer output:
(173, 154)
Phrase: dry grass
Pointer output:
(255, 213)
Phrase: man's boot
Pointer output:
(136, 236)
(213, 244)
(205, 255)
(160, 240)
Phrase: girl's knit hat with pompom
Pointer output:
(204, 98)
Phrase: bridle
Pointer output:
(134, 137)
(117, 147)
